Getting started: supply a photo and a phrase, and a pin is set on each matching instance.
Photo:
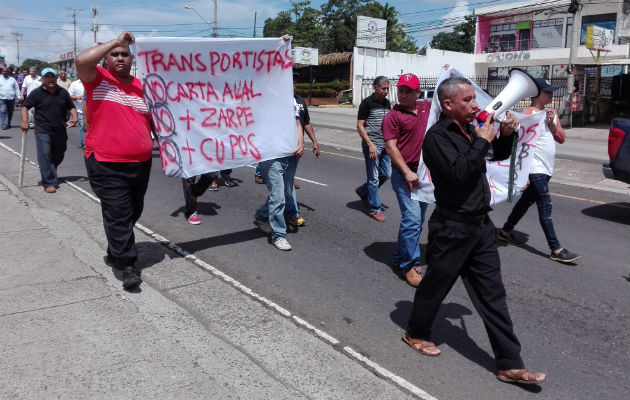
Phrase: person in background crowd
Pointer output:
(378, 165)
(63, 80)
(462, 238)
(291, 210)
(51, 104)
(20, 80)
(77, 93)
(118, 147)
(194, 188)
(9, 94)
(31, 82)
(539, 175)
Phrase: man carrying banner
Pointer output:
(118, 147)
(378, 165)
(279, 180)
(403, 131)
(539, 175)
(462, 238)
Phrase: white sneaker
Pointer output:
(282, 244)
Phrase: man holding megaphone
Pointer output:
(462, 238)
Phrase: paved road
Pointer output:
(572, 320)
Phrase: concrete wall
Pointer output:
(370, 63)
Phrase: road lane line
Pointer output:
(297, 177)
(588, 200)
(342, 155)
(388, 375)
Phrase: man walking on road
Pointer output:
(403, 131)
(462, 238)
(51, 104)
(539, 175)
(377, 162)
(118, 147)
(9, 93)
(63, 81)
(77, 92)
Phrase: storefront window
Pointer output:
(547, 33)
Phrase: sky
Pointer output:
(46, 27)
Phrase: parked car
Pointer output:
(426, 94)
(618, 150)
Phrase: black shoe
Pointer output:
(510, 239)
(131, 278)
(564, 256)
(227, 181)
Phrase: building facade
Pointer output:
(537, 37)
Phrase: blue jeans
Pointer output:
(81, 131)
(291, 209)
(6, 111)
(378, 172)
(407, 253)
(50, 152)
(537, 192)
(258, 171)
(276, 175)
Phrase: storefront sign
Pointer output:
(515, 56)
(66, 56)
(371, 32)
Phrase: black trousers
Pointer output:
(468, 250)
(194, 189)
(121, 188)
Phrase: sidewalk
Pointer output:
(68, 330)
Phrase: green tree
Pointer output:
(38, 64)
(462, 38)
(275, 27)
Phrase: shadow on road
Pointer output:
(73, 178)
(221, 240)
(382, 252)
(613, 212)
(205, 208)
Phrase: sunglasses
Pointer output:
(119, 53)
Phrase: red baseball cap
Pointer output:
(409, 80)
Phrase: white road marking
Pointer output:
(297, 177)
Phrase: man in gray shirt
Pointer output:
(377, 163)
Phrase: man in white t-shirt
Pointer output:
(76, 94)
(540, 172)
(31, 82)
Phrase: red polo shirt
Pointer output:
(409, 129)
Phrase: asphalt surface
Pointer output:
(572, 320)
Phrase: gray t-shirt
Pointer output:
(373, 112)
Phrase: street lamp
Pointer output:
(214, 20)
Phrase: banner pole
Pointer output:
(510, 196)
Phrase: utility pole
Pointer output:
(255, 23)
(94, 24)
(214, 19)
(18, 37)
(574, 9)
(74, 22)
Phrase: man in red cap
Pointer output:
(403, 130)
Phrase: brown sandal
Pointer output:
(524, 376)
(423, 347)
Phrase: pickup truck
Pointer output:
(618, 150)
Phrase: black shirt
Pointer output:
(51, 109)
(458, 167)
(305, 119)
(372, 112)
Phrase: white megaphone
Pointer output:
(520, 86)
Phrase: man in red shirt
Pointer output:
(118, 147)
(403, 130)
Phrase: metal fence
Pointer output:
(492, 86)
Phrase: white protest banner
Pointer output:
(218, 103)
(497, 171)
